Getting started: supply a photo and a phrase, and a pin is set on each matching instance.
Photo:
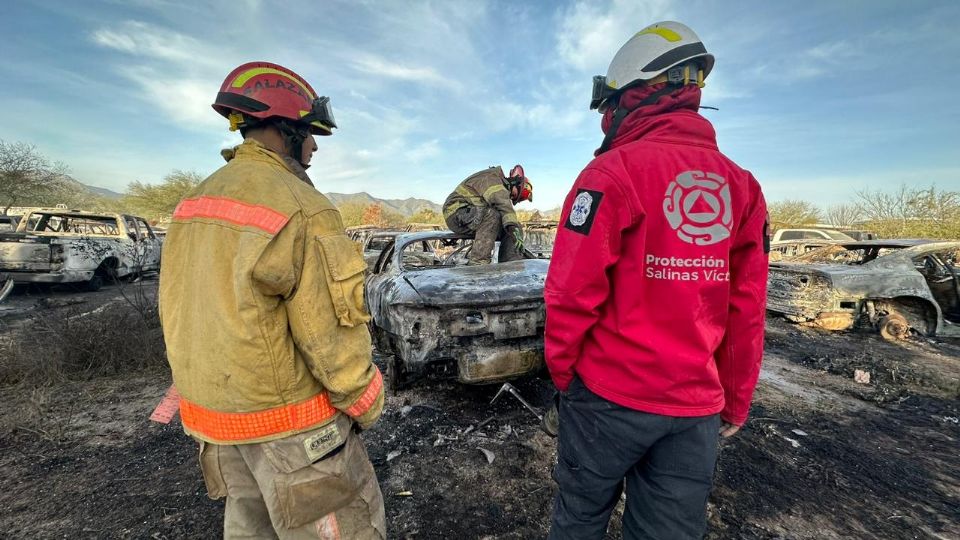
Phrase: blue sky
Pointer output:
(818, 98)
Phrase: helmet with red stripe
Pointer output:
(258, 91)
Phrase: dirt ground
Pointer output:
(821, 457)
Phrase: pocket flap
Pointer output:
(342, 255)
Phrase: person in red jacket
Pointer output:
(655, 300)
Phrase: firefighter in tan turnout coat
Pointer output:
(261, 298)
(482, 207)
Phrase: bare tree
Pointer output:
(27, 177)
(843, 215)
(912, 212)
(791, 212)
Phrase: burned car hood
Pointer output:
(517, 281)
(888, 278)
(829, 270)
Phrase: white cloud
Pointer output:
(176, 75)
(590, 34)
(378, 66)
(150, 41)
(425, 151)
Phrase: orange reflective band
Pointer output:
(231, 211)
(223, 426)
(369, 397)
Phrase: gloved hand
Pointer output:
(517, 234)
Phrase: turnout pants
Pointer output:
(485, 225)
(276, 489)
(667, 463)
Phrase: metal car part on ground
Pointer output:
(897, 287)
(440, 318)
(65, 246)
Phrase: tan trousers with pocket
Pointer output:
(297, 487)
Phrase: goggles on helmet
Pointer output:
(601, 91)
(320, 111)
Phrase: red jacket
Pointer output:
(657, 285)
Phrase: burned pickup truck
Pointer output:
(65, 246)
(441, 318)
(894, 286)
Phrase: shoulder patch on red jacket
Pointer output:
(583, 211)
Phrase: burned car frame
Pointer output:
(894, 286)
(374, 243)
(440, 318)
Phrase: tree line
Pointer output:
(28, 178)
(903, 212)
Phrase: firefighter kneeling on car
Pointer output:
(482, 207)
(261, 300)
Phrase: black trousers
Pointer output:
(668, 464)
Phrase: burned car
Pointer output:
(441, 318)
(894, 286)
(374, 243)
(67, 246)
(789, 249)
(360, 233)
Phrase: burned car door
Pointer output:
(940, 272)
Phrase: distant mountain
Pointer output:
(406, 207)
(103, 192)
(93, 190)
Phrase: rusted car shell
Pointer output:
(482, 324)
(833, 296)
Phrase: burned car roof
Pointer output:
(846, 254)
(455, 285)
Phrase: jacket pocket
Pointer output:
(344, 271)
(210, 467)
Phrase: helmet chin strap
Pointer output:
(622, 113)
(294, 140)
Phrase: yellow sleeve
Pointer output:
(328, 319)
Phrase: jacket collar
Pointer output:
(673, 118)
(251, 149)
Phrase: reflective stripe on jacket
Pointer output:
(261, 299)
(483, 189)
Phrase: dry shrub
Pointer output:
(70, 345)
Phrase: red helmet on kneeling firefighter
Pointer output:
(519, 186)
(265, 96)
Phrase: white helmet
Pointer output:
(650, 53)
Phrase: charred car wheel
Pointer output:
(94, 284)
(894, 327)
